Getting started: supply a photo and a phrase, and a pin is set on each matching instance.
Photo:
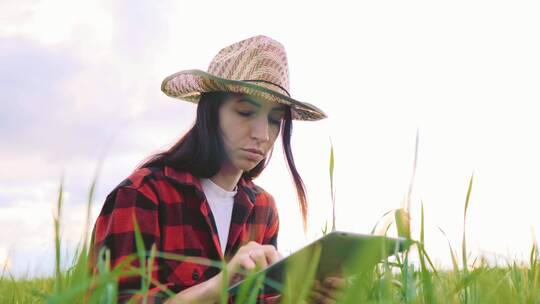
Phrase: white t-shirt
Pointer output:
(221, 203)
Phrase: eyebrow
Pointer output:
(258, 105)
(250, 101)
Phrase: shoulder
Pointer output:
(159, 185)
(143, 177)
(140, 188)
(262, 198)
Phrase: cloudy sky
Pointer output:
(82, 79)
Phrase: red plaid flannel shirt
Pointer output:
(172, 213)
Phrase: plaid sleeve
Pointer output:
(272, 227)
(115, 230)
(270, 237)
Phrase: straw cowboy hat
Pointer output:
(256, 66)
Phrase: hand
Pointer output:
(328, 292)
(250, 257)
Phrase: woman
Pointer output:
(198, 198)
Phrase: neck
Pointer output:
(227, 179)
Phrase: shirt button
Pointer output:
(195, 275)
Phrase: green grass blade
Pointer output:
(256, 290)
(411, 184)
(190, 259)
(324, 229)
(464, 243)
(92, 190)
(58, 286)
(80, 271)
(332, 190)
(452, 253)
(427, 284)
(431, 265)
(224, 295)
(382, 220)
(249, 290)
(141, 254)
(533, 264)
(150, 266)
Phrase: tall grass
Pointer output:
(370, 280)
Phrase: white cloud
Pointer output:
(53, 22)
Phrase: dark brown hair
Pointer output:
(201, 151)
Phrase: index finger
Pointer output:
(272, 255)
(335, 282)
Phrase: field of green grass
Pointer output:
(392, 280)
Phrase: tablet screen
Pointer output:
(333, 253)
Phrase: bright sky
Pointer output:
(77, 77)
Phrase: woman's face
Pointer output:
(249, 127)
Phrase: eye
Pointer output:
(244, 113)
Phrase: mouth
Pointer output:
(254, 151)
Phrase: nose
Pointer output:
(260, 129)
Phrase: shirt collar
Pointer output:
(211, 188)
(188, 179)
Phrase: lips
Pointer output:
(255, 151)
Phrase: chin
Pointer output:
(247, 166)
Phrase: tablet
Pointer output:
(333, 253)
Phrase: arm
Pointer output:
(115, 231)
(270, 237)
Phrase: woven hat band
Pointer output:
(273, 86)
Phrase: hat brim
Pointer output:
(188, 85)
